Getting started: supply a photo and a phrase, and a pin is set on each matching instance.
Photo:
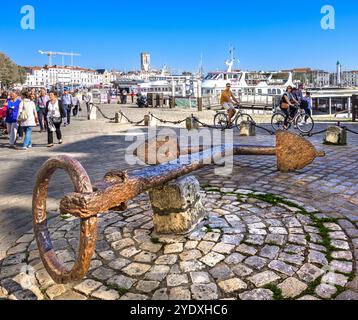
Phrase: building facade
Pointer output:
(67, 76)
(350, 78)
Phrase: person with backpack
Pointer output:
(14, 105)
(54, 114)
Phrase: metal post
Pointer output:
(330, 105)
(349, 106)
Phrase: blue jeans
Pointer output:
(27, 140)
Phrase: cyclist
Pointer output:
(227, 100)
(287, 105)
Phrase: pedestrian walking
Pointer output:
(66, 104)
(76, 104)
(28, 118)
(53, 119)
(14, 105)
(125, 94)
(88, 99)
(41, 104)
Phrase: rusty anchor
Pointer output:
(117, 188)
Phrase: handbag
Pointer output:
(23, 116)
(56, 120)
(284, 105)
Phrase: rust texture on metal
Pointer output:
(118, 187)
(293, 152)
(88, 226)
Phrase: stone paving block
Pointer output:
(257, 294)
(175, 280)
(221, 271)
(232, 285)
(103, 293)
(199, 277)
(147, 286)
(212, 259)
(136, 269)
(348, 295)
(71, 295)
(179, 293)
(309, 272)
(325, 291)
(264, 278)
(292, 287)
(204, 291)
(334, 279)
(245, 249)
(282, 267)
(157, 272)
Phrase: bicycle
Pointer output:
(221, 118)
(301, 121)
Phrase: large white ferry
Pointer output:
(245, 82)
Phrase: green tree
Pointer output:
(10, 72)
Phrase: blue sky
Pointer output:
(267, 35)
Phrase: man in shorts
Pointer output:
(227, 100)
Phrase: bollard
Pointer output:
(93, 113)
(200, 104)
(150, 121)
(191, 124)
(247, 129)
(116, 117)
(177, 206)
(336, 136)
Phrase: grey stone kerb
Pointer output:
(177, 206)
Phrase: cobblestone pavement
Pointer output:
(252, 245)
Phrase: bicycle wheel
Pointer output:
(243, 117)
(221, 120)
(278, 121)
(304, 123)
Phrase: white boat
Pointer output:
(246, 83)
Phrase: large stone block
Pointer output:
(177, 206)
(336, 135)
(247, 129)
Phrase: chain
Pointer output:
(195, 119)
(103, 115)
(130, 121)
(260, 127)
(350, 130)
(167, 121)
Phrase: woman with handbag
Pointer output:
(28, 119)
(53, 119)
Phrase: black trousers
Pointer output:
(287, 114)
(58, 133)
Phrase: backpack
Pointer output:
(304, 104)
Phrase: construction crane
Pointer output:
(51, 54)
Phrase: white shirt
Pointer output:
(30, 108)
(53, 110)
